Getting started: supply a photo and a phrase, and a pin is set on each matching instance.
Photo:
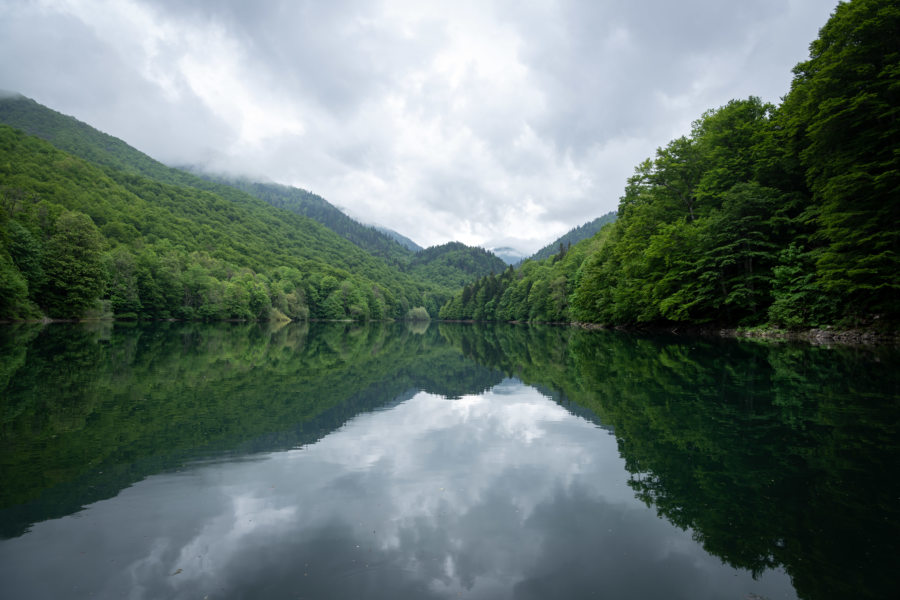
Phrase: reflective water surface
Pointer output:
(338, 461)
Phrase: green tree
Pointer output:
(73, 266)
(122, 283)
(843, 111)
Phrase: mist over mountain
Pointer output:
(94, 226)
(573, 236)
(509, 255)
(402, 239)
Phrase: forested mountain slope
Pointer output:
(317, 208)
(82, 140)
(575, 235)
(763, 215)
(536, 291)
(140, 210)
(454, 264)
(402, 239)
(449, 265)
(72, 233)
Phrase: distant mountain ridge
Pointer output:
(575, 235)
(454, 264)
(315, 207)
(402, 239)
(509, 255)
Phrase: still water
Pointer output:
(442, 461)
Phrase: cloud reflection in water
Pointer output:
(503, 494)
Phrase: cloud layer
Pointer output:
(493, 123)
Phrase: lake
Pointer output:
(184, 460)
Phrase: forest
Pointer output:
(781, 216)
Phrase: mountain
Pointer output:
(582, 232)
(317, 208)
(509, 255)
(402, 239)
(82, 140)
(101, 221)
(157, 242)
(454, 264)
(449, 265)
(71, 135)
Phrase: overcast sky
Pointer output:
(491, 122)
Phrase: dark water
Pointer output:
(336, 461)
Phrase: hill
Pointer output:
(582, 232)
(73, 233)
(317, 208)
(454, 264)
(80, 139)
(402, 239)
(432, 275)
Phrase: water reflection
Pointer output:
(773, 454)
(185, 460)
(502, 494)
(90, 409)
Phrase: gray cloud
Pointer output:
(492, 123)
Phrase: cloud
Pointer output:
(497, 122)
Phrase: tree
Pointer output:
(844, 112)
(122, 285)
(73, 266)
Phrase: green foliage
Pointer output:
(843, 107)
(536, 291)
(75, 234)
(454, 264)
(73, 266)
(317, 208)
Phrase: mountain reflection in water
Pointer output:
(183, 461)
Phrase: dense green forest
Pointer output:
(449, 265)
(317, 208)
(575, 235)
(763, 215)
(95, 227)
(453, 264)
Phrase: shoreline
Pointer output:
(815, 336)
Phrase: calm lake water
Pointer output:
(444, 461)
